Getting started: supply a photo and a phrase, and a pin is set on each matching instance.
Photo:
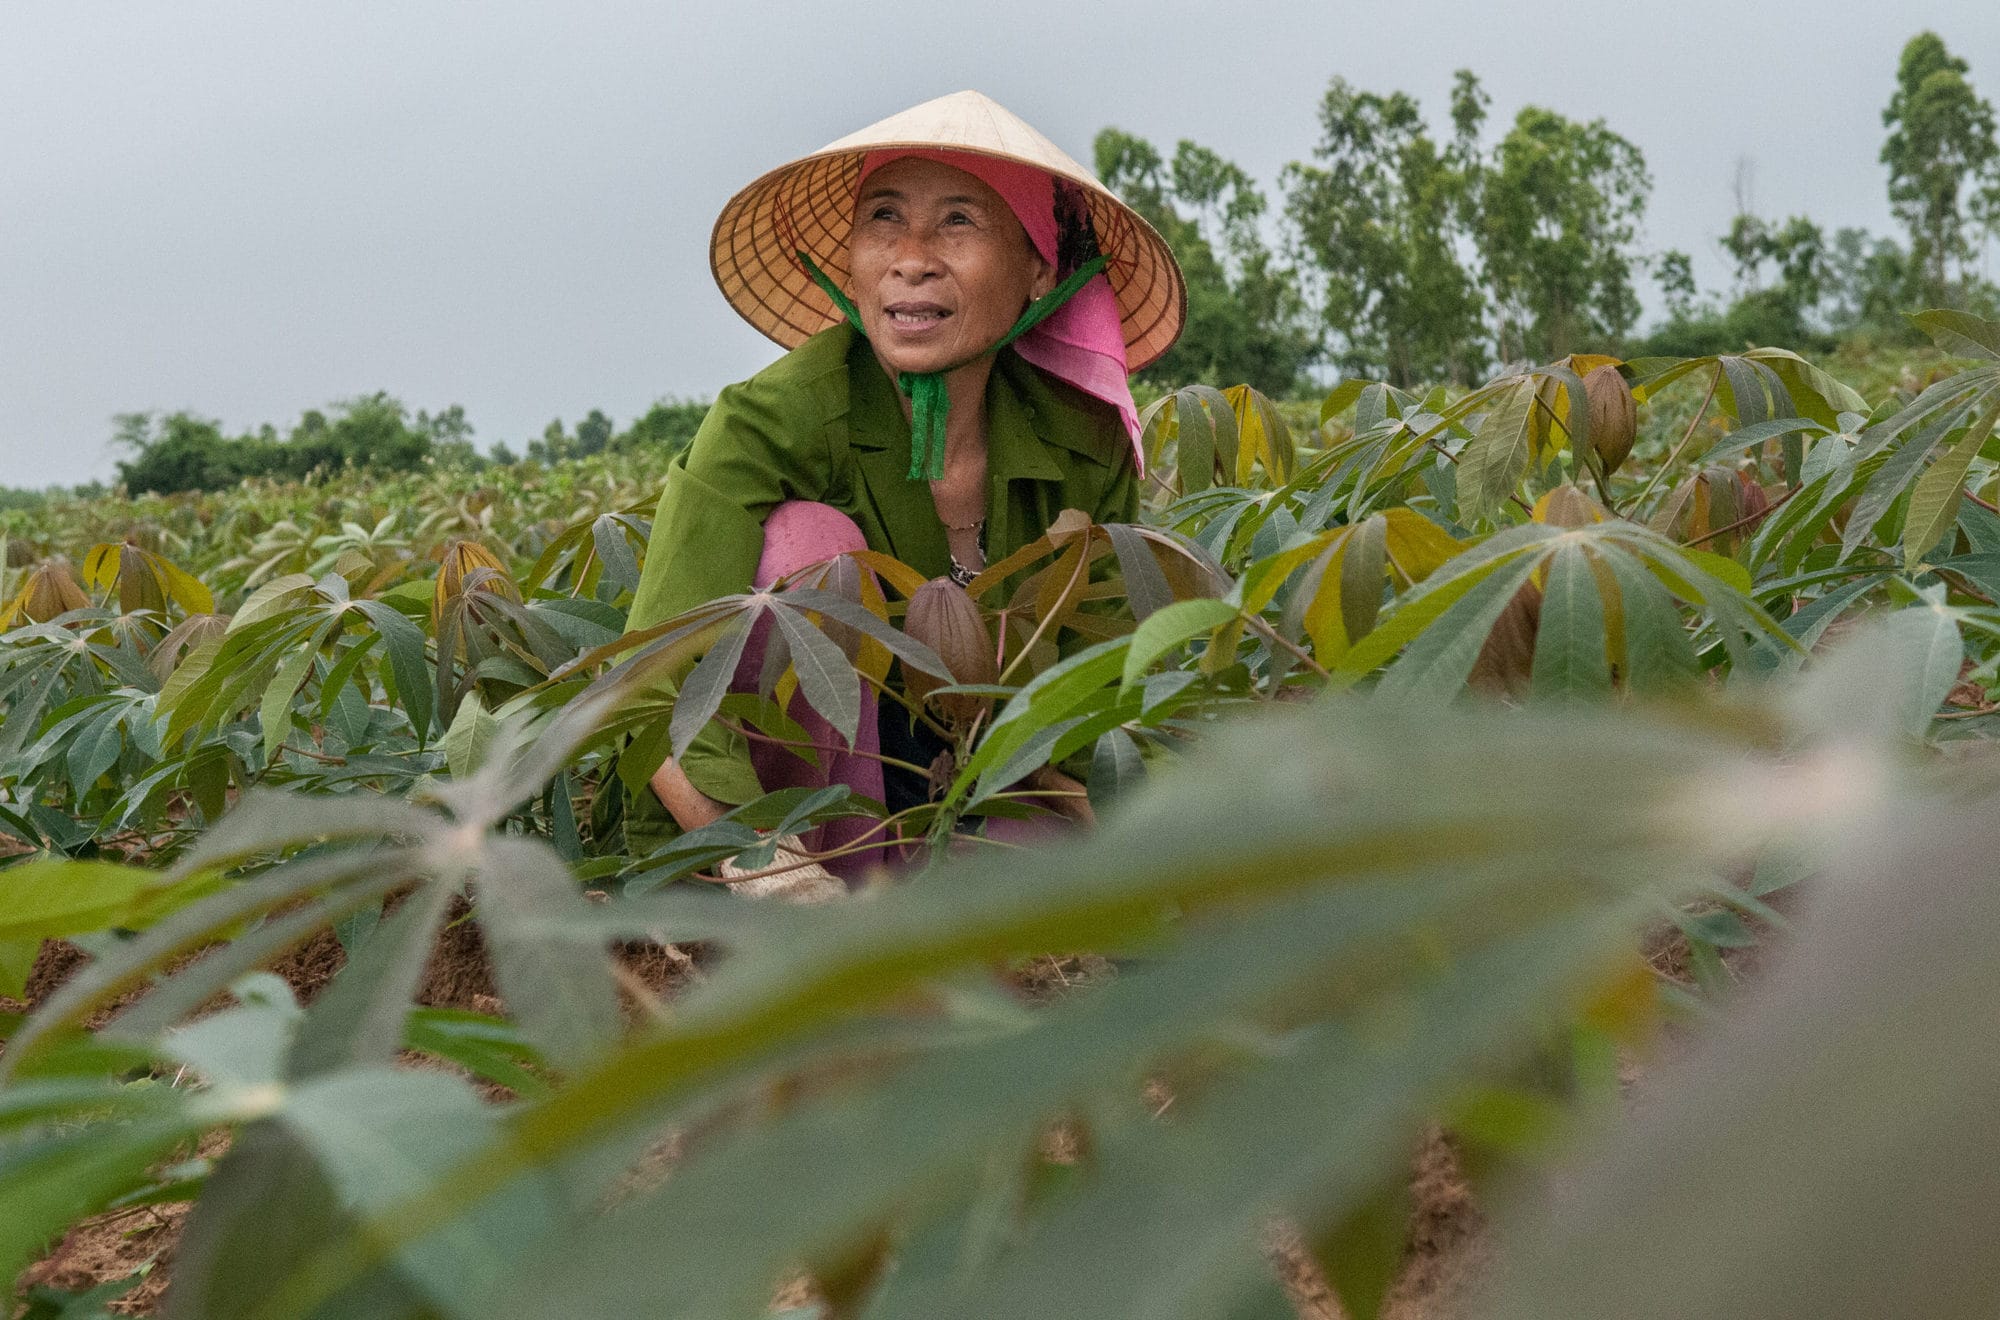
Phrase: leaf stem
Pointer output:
(1713, 382)
(1758, 516)
(1055, 612)
(1270, 634)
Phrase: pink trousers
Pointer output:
(797, 535)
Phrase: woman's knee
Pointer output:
(800, 533)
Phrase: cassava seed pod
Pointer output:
(944, 618)
(1507, 657)
(1569, 506)
(1614, 416)
(51, 590)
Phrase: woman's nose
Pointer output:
(914, 259)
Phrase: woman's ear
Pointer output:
(1045, 278)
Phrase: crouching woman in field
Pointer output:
(962, 303)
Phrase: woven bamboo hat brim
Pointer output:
(808, 206)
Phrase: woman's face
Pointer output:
(941, 266)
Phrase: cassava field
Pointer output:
(1456, 758)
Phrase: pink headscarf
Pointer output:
(1083, 342)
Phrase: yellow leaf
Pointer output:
(1418, 547)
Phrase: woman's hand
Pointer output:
(1067, 797)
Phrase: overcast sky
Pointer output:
(250, 209)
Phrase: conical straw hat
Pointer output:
(808, 206)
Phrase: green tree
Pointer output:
(593, 433)
(1673, 271)
(1942, 157)
(1748, 246)
(554, 446)
(1784, 312)
(182, 451)
(451, 438)
(1378, 215)
(373, 431)
(666, 427)
(1868, 282)
(1559, 212)
(1246, 318)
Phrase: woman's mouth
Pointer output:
(915, 317)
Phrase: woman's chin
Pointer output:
(916, 360)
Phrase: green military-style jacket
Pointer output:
(825, 423)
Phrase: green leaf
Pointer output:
(1435, 666)
(1363, 1253)
(1745, 437)
(1492, 463)
(1362, 571)
(359, 1018)
(49, 1182)
(47, 898)
(94, 751)
(1935, 498)
(383, 1136)
(1927, 641)
(1658, 654)
(1831, 1118)
(274, 713)
(17, 963)
(826, 680)
(1570, 659)
(1145, 585)
(701, 693)
(404, 642)
(1116, 768)
(1419, 608)
(470, 738)
(559, 988)
(1960, 333)
(263, 1210)
(1169, 627)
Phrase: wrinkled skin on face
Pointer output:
(941, 267)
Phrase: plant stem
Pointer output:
(1266, 631)
(1713, 382)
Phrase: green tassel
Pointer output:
(930, 399)
(930, 404)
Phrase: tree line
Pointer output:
(1408, 254)
(1396, 252)
(184, 451)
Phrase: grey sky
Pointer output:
(249, 209)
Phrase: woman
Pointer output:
(962, 303)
